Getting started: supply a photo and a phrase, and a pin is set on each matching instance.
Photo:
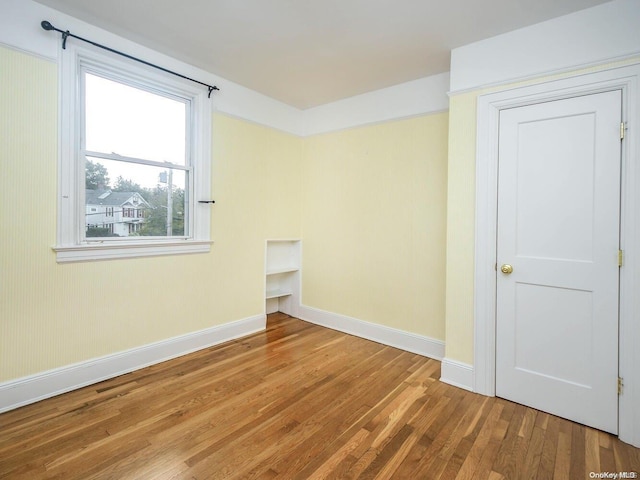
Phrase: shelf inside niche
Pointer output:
(277, 294)
(277, 270)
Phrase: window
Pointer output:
(135, 142)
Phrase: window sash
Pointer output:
(137, 211)
(137, 161)
(134, 81)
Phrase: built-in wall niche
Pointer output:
(282, 276)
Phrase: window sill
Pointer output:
(101, 251)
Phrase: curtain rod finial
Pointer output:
(46, 25)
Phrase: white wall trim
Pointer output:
(378, 122)
(489, 106)
(457, 374)
(592, 36)
(392, 337)
(88, 252)
(411, 99)
(20, 30)
(534, 77)
(31, 389)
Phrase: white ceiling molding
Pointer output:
(314, 52)
(20, 29)
(589, 37)
(419, 97)
(602, 32)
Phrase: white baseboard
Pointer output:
(410, 342)
(457, 374)
(26, 390)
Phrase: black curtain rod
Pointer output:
(66, 34)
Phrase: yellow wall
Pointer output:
(461, 212)
(374, 223)
(369, 203)
(461, 227)
(53, 315)
(386, 212)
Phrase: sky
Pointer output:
(131, 122)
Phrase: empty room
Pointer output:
(320, 239)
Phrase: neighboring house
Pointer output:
(121, 213)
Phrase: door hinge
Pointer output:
(620, 258)
(620, 385)
(622, 129)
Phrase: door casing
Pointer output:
(627, 79)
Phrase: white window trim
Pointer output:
(71, 246)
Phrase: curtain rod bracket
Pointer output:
(211, 89)
(66, 34)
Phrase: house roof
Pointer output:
(107, 197)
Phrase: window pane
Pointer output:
(131, 200)
(132, 122)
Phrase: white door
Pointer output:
(558, 228)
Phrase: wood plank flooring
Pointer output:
(296, 402)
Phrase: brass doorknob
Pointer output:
(506, 268)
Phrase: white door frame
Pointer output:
(626, 79)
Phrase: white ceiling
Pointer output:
(311, 52)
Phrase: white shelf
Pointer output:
(277, 294)
(276, 271)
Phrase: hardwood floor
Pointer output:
(296, 402)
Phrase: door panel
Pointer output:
(558, 226)
(543, 309)
(555, 168)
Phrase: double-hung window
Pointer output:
(134, 161)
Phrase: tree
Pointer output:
(96, 176)
(155, 223)
(99, 232)
(126, 185)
